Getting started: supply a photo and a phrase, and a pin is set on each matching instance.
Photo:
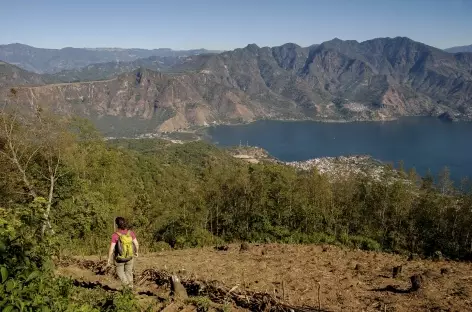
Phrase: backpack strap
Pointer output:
(121, 234)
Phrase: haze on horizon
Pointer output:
(225, 25)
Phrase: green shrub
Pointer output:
(323, 238)
(364, 243)
(280, 232)
(259, 237)
(202, 304)
(201, 237)
(159, 246)
(27, 281)
(124, 301)
(344, 239)
(180, 234)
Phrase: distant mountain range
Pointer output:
(338, 80)
(467, 48)
(11, 75)
(68, 60)
(54, 60)
(108, 70)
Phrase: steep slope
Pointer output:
(54, 60)
(467, 48)
(148, 101)
(11, 75)
(377, 79)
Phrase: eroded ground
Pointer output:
(346, 280)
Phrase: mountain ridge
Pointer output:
(40, 60)
(378, 79)
(11, 75)
(459, 49)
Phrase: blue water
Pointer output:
(420, 142)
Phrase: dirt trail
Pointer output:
(346, 280)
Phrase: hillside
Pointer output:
(11, 75)
(148, 101)
(333, 278)
(61, 178)
(378, 79)
(459, 49)
(40, 60)
(102, 71)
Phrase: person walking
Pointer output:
(124, 248)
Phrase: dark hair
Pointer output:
(120, 223)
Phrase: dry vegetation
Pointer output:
(348, 280)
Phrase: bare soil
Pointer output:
(334, 278)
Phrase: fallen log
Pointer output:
(254, 301)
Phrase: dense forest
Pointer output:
(62, 185)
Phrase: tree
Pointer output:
(445, 183)
(401, 169)
(35, 144)
(427, 182)
(413, 176)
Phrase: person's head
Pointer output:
(120, 223)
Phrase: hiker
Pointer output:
(123, 248)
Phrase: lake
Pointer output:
(421, 142)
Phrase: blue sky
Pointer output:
(228, 24)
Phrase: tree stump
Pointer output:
(244, 247)
(222, 248)
(177, 288)
(396, 271)
(416, 282)
(445, 271)
(359, 267)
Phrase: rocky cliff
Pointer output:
(146, 101)
(337, 80)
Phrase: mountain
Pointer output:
(54, 60)
(147, 101)
(373, 80)
(101, 71)
(378, 79)
(11, 75)
(460, 49)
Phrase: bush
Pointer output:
(323, 238)
(159, 246)
(179, 235)
(202, 304)
(27, 281)
(123, 302)
(315, 238)
(201, 237)
(344, 239)
(365, 243)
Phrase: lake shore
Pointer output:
(422, 143)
